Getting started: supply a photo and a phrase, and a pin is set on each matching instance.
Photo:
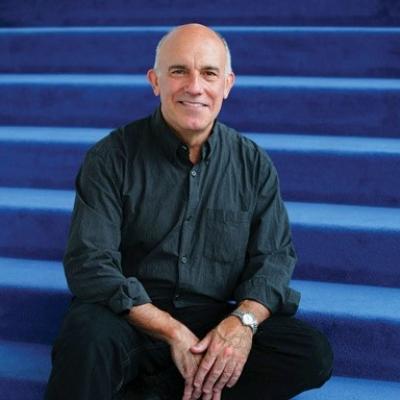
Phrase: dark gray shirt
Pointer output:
(149, 225)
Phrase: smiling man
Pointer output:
(180, 255)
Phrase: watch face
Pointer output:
(247, 319)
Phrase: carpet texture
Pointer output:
(317, 88)
(257, 103)
(227, 12)
(291, 51)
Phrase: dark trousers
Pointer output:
(98, 353)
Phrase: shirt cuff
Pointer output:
(130, 294)
(277, 300)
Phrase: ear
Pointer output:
(153, 80)
(229, 82)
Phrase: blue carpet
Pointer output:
(256, 104)
(334, 242)
(49, 157)
(226, 12)
(340, 388)
(292, 51)
(359, 334)
(318, 88)
(27, 367)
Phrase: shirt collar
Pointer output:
(171, 144)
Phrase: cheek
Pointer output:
(218, 97)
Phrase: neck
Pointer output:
(194, 142)
(194, 154)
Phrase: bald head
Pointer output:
(191, 76)
(188, 33)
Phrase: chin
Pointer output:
(198, 128)
(194, 124)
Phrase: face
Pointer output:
(191, 79)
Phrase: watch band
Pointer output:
(247, 319)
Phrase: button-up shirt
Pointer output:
(149, 225)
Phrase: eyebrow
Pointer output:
(211, 68)
(177, 66)
(181, 66)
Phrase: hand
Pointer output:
(186, 361)
(226, 348)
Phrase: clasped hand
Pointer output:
(214, 362)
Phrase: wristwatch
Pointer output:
(247, 319)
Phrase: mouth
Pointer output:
(192, 104)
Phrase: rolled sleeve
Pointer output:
(271, 257)
(92, 261)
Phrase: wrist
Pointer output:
(260, 311)
(247, 319)
(175, 331)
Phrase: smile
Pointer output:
(194, 104)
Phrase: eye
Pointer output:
(210, 75)
(178, 71)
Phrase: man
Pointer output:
(180, 249)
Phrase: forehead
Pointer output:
(201, 49)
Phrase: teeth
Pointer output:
(193, 104)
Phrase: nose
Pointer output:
(194, 84)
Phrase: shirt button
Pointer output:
(184, 260)
(194, 173)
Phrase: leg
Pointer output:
(288, 356)
(97, 353)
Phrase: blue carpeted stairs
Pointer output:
(318, 87)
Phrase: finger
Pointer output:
(201, 346)
(214, 375)
(205, 366)
(217, 395)
(225, 376)
(188, 390)
(235, 376)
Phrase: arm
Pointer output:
(262, 290)
(161, 325)
(226, 349)
(93, 260)
(271, 257)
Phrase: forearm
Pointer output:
(155, 322)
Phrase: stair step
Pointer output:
(341, 388)
(255, 12)
(310, 166)
(362, 323)
(366, 340)
(38, 290)
(333, 106)
(333, 169)
(44, 157)
(353, 244)
(24, 361)
(300, 51)
(40, 220)
(25, 368)
(343, 243)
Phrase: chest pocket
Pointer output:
(227, 234)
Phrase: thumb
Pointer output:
(201, 346)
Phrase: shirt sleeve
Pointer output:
(270, 254)
(92, 260)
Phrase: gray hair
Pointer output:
(228, 66)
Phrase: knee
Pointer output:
(319, 360)
(90, 333)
